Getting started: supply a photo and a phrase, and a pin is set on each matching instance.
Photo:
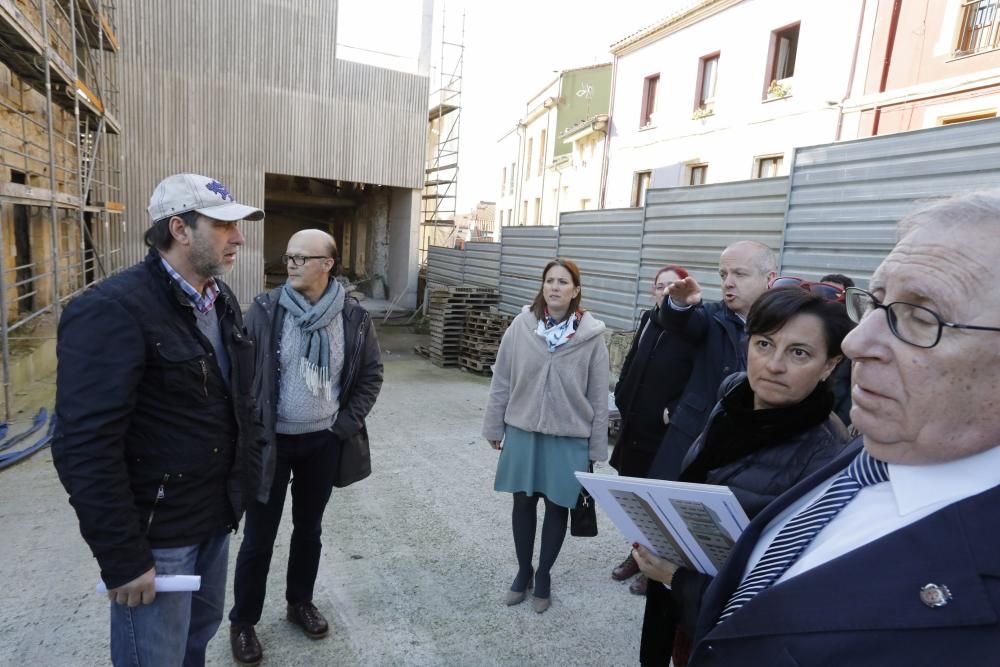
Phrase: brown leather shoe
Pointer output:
(638, 585)
(246, 647)
(307, 616)
(626, 569)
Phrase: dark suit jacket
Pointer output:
(864, 608)
(716, 334)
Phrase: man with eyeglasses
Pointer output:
(891, 555)
(716, 330)
(319, 371)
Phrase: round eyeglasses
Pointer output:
(300, 260)
(910, 323)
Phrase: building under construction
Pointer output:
(61, 208)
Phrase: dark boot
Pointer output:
(246, 647)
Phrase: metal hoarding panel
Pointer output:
(445, 266)
(524, 253)
(846, 198)
(605, 244)
(692, 225)
(482, 264)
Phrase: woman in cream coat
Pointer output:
(548, 415)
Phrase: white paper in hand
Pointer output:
(168, 583)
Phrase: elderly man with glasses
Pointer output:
(319, 372)
(891, 555)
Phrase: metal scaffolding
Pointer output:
(440, 195)
(61, 227)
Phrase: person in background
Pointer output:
(547, 414)
(319, 372)
(716, 332)
(840, 381)
(771, 428)
(652, 378)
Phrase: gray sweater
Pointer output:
(298, 410)
(564, 392)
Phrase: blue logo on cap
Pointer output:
(219, 189)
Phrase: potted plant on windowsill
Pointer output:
(703, 111)
(779, 89)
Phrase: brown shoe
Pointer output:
(626, 569)
(307, 616)
(246, 647)
(638, 585)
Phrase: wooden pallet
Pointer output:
(447, 312)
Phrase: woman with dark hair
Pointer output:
(547, 414)
(771, 428)
(651, 381)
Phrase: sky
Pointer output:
(512, 49)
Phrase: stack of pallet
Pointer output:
(447, 309)
(481, 340)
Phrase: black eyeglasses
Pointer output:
(910, 323)
(299, 260)
(828, 291)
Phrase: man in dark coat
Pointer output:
(891, 557)
(155, 439)
(716, 330)
(319, 372)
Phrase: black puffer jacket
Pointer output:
(652, 378)
(360, 382)
(758, 454)
(153, 445)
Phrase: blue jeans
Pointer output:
(175, 629)
(311, 461)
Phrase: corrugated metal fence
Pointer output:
(605, 244)
(445, 266)
(482, 264)
(846, 198)
(523, 254)
(835, 213)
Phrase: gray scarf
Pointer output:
(312, 320)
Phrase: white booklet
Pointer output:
(694, 525)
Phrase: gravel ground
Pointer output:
(415, 564)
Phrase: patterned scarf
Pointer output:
(558, 333)
(312, 320)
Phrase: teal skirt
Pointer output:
(538, 463)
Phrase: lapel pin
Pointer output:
(934, 596)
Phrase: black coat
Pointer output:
(758, 454)
(360, 383)
(719, 349)
(154, 446)
(652, 378)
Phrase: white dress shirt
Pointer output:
(912, 493)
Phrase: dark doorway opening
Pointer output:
(24, 272)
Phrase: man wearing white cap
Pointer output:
(156, 439)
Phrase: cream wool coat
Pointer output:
(556, 393)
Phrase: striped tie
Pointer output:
(796, 535)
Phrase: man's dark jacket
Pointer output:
(360, 383)
(154, 446)
(716, 334)
(864, 608)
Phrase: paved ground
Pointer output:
(416, 562)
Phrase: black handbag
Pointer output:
(583, 517)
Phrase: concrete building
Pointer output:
(925, 63)
(550, 161)
(251, 92)
(723, 90)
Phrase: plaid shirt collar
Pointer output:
(203, 303)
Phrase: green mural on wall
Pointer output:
(585, 93)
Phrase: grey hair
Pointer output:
(978, 208)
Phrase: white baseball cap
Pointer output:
(181, 193)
